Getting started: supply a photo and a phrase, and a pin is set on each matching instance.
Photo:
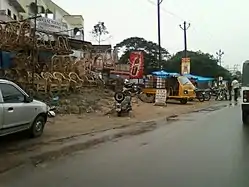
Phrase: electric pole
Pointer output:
(185, 27)
(159, 33)
(219, 54)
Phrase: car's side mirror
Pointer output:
(28, 99)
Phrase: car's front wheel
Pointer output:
(37, 127)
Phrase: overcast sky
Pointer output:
(215, 24)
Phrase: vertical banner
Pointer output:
(136, 65)
(185, 66)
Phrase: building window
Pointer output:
(14, 16)
(9, 12)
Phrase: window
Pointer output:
(9, 12)
(11, 94)
(184, 80)
(14, 16)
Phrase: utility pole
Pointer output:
(159, 33)
(219, 54)
(185, 27)
(34, 51)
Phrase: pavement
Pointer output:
(209, 147)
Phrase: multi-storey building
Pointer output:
(10, 10)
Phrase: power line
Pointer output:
(180, 18)
(166, 11)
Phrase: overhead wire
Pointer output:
(180, 18)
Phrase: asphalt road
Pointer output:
(207, 149)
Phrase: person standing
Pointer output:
(235, 86)
(229, 88)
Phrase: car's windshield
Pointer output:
(184, 80)
(245, 74)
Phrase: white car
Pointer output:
(19, 111)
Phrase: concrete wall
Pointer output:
(4, 5)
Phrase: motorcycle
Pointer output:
(221, 95)
(207, 95)
(200, 95)
(123, 98)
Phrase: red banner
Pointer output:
(136, 65)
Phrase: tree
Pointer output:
(202, 64)
(99, 31)
(150, 50)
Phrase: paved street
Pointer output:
(205, 149)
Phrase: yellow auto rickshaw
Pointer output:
(178, 88)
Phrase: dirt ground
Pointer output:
(73, 125)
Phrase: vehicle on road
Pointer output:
(245, 92)
(19, 111)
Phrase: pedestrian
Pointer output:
(229, 88)
(235, 86)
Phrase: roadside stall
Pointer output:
(178, 87)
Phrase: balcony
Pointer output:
(4, 17)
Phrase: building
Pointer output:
(10, 10)
(55, 20)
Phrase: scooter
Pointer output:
(123, 103)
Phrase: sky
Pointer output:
(214, 24)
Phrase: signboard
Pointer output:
(48, 25)
(161, 97)
(136, 65)
(220, 78)
(185, 66)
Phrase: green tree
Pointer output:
(150, 50)
(202, 64)
(100, 32)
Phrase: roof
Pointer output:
(17, 5)
(75, 20)
(102, 48)
(52, 6)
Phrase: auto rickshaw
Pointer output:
(178, 88)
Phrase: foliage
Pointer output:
(99, 31)
(149, 48)
(202, 64)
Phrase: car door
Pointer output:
(15, 110)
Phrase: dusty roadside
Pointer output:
(68, 133)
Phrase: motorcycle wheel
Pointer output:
(119, 114)
(207, 97)
(201, 97)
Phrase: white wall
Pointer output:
(4, 5)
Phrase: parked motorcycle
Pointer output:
(221, 95)
(123, 98)
(200, 95)
(207, 95)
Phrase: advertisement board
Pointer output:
(136, 65)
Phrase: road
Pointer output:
(206, 149)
